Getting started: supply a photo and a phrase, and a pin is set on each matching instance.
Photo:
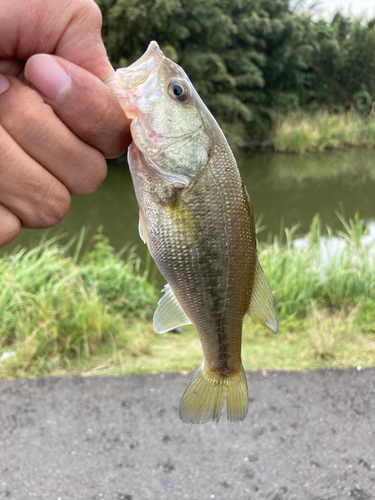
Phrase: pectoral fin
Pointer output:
(169, 314)
(262, 306)
(142, 228)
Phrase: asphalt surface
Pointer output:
(308, 435)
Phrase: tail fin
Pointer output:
(204, 397)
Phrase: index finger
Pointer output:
(70, 29)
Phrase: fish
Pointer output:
(197, 220)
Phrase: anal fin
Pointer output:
(262, 306)
(169, 314)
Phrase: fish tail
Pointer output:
(204, 397)
(237, 398)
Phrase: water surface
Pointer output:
(284, 189)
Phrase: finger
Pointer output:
(11, 66)
(41, 134)
(71, 29)
(82, 44)
(34, 195)
(82, 102)
(10, 226)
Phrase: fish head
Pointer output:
(171, 126)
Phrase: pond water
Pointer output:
(284, 190)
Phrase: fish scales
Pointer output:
(200, 256)
(197, 220)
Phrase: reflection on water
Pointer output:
(285, 189)
(350, 166)
(290, 189)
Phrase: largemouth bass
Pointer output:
(197, 220)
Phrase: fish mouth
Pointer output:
(152, 55)
(126, 82)
(131, 77)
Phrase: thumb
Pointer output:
(82, 101)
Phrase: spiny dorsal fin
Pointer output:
(169, 314)
(262, 306)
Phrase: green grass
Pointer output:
(58, 309)
(65, 313)
(304, 132)
(299, 277)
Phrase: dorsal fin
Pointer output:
(169, 314)
(262, 306)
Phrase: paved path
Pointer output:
(308, 435)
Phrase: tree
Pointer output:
(248, 58)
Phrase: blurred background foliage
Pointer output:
(251, 60)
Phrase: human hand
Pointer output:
(56, 133)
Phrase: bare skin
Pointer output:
(58, 121)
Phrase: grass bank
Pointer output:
(64, 313)
(60, 309)
(304, 132)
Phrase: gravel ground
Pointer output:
(308, 435)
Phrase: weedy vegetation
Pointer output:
(59, 309)
(305, 132)
(65, 311)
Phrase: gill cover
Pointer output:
(168, 117)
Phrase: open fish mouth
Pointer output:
(127, 83)
(131, 77)
(151, 57)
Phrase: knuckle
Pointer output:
(87, 11)
(24, 102)
(6, 238)
(32, 130)
(10, 227)
(95, 13)
(32, 117)
(96, 172)
(55, 209)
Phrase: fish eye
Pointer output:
(178, 90)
